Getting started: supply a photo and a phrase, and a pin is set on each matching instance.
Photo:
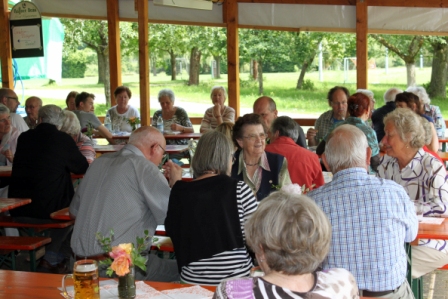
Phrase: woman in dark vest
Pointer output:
(262, 171)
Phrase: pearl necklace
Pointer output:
(247, 164)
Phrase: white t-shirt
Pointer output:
(121, 119)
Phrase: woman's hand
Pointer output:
(217, 110)
(176, 127)
(8, 154)
(173, 172)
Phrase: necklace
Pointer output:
(247, 164)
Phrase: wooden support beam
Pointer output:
(361, 43)
(143, 60)
(5, 46)
(113, 24)
(233, 57)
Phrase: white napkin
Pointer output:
(430, 220)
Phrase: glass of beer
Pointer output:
(85, 279)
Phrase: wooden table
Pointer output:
(7, 204)
(433, 231)
(443, 156)
(62, 214)
(443, 141)
(182, 136)
(170, 148)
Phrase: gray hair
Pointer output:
(221, 88)
(389, 95)
(346, 148)
(285, 126)
(367, 93)
(70, 123)
(39, 100)
(410, 126)
(420, 92)
(292, 231)
(4, 109)
(167, 93)
(213, 153)
(51, 114)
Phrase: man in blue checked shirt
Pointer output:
(371, 218)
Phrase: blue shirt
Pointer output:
(371, 219)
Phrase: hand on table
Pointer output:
(176, 127)
(173, 172)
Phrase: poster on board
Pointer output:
(26, 31)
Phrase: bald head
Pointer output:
(150, 142)
(32, 106)
(266, 108)
(9, 98)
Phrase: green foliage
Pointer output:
(308, 85)
(74, 64)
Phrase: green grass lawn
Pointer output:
(280, 86)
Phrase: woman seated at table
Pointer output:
(71, 126)
(219, 113)
(359, 107)
(261, 170)
(421, 175)
(206, 216)
(120, 113)
(8, 137)
(70, 101)
(290, 236)
(412, 101)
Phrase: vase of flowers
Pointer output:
(88, 130)
(123, 260)
(133, 121)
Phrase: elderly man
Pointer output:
(372, 218)
(337, 99)
(9, 98)
(303, 165)
(43, 161)
(32, 106)
(84, 112)
(125, 191)
(380, 113)
(266, 108)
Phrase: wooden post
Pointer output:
(361, 44)
(5, 46)
(233, 61)
(143, 59)
(114, 47)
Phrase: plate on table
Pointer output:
(172, 132)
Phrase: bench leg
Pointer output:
(33, 260)
(9, 259)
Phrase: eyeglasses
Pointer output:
(253, 137)
(13, 98)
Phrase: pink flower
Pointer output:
(121, 265)
(292, 189)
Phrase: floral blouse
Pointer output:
(180, 117)
(425, 181)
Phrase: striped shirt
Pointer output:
(209, 122)
(234, 263)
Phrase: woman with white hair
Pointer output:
(71, 126)
(219, 113)
(8, 137)
(422, 176)
(291, 237)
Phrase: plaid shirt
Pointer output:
(371, 218)
(324, 124)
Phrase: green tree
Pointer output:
(216, 46)
(406, 47)
(439, 48)
(197, 43)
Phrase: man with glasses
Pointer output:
(125, 191)
(9, 98)
(337, 99)
(32, 106)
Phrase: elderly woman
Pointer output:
(71, 126)
(122, 111)
(8, 137)
(291, 237)
(264, 172)
(219, 113)
(70, 101)
(212, 207)
(411, 101)
(422, 176)
(359, 108)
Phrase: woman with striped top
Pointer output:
(206, 217)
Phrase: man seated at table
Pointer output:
(303, 165)
(43, 161)
(337, 99)
(380, 113)
(85, 113)
(9, 98)
(267, 109)
(32, 106)
(372, 218)
(125, 191)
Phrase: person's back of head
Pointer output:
(409, 98)
(346, 148)
(70, 123)
(285, 126)
(51, 114)
(391, 93)
(225, 128)
(270, 101)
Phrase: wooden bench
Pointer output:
(8, 246)
(33, 229)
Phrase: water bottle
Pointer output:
(160, 124)
(108, 123)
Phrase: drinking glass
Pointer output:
(85, 279)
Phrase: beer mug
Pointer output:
(85, 279)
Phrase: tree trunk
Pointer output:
(410, 72)
(217, 73)
(104, 73)
(260, 77)
(254, 69)
(101, 66)
(195, 64)
(173, 65)
(302, 74)
(437, 85)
